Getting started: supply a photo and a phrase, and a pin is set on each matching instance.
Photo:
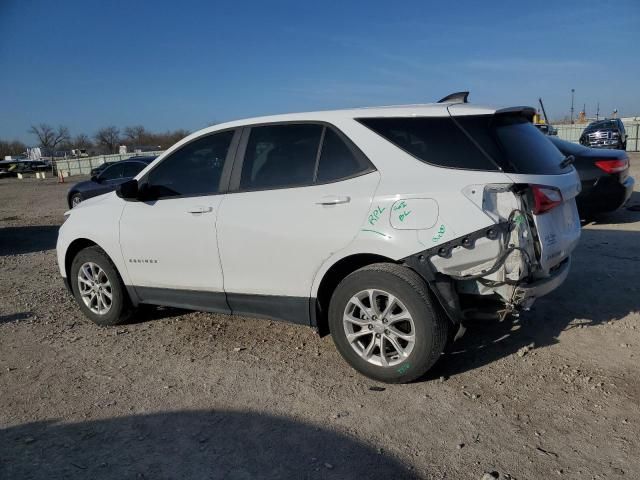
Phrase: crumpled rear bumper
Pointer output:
(526, 293)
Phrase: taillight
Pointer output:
(545, 198)
(612, 166)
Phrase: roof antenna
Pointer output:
(458, 97)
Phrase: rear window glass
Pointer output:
(473, 142)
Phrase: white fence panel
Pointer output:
(83, 166)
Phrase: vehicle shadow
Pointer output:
(189, 444)
(148, 313)
(13, 317)
(629, 213)
(19, 240)
(602, 286)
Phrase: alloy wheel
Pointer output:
(379, 327)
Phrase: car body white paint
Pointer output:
(281, 242)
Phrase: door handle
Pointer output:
(198, 210)
(333, 200)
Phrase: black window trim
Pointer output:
(225, 176)
(234, 185)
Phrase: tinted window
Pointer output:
(475, 142)
(112, 172)
(131, 169)
(337, 160)
(194, 169)
(280, 156)
(434, 140)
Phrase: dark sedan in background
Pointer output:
(107, 180)
(604, 174)
(101, 168)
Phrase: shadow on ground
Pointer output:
(196, 444)
(629, 213)
(13, 317)
(602, 286)
(18, 240)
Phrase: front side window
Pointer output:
(131, 169)
(280, 156)
(194, 169)
(112, 172)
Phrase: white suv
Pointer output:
(386, 227)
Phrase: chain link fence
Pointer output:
(83, 166)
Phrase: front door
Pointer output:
(168, 238)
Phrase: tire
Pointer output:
(76, 198)
(94, 260)
(430, 328)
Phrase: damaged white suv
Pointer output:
(386, 227)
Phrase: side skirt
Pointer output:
(275, 307)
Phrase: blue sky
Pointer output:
(187, 64)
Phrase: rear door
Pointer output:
(299, 192)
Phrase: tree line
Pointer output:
(106, 140)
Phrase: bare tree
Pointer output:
(135, 135)
(82, 141)
(48, 137)
(14, 147)
(108, 138)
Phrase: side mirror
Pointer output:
(128, 190)
(95, 179)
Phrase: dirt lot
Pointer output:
(553, 395)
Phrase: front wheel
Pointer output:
(98, 288)
(385, 325)
(75, 200)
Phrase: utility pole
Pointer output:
(572, 92)
(597, 111)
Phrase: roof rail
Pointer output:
(458, 97)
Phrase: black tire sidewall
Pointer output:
(119, 301)
(424, 318)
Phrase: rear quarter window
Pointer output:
(509, 143)
(435, 140)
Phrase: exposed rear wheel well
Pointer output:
(333, 277)
(72, 251)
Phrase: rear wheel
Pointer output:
(385, 325)
(98, 288)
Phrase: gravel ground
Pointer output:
(192, 395)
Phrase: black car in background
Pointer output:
(107, 181)
(100, 168)
(604, 174)
(608, 133)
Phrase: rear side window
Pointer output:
(476, 142)
(194, 169)
(338, 160)
(280, 156)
